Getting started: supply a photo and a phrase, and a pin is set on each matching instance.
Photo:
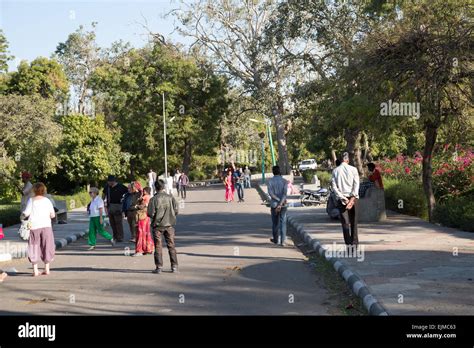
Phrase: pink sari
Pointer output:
(229, 189)
(145, 242)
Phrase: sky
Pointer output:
(34, 28)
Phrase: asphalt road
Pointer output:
(227, 267)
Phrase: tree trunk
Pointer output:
(283, 161)
(431, 133)
(333, 157)
(187, 156)
(352, 137)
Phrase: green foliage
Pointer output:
(89, 150)
(9, 214)
(76, 200)
(405, 197)
(42, 76)
(4, 56)
(457, 212)
(29, 138)
(323, 176)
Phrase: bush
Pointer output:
(77, 200)
(406, 197)
(456, 212)
(9, 214)
(323, 176)
(196, 174)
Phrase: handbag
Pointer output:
(24, 230)
(25, 227)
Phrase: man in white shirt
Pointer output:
(345, 183)
(151, 181)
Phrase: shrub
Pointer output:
(196, 174)
(77, 200)
(9, 214)
(406, 197)
(323, 176)
(457, 212)
(308, 175)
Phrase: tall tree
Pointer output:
(79, 55)
(4, 53)
(233, 34)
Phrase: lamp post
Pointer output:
(164, 140)
(267, 123)
(262, 137)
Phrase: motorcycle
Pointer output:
(310, 197)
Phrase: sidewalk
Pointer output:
(411, 266)
(12, 246)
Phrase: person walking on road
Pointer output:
(183, 183)
(239, 183)
(41, 245)
(229, 187)
(113, 194)
(176, 177)
(345, 184)
(96, 219)
(132, 211)
(151, 180)
(277, 190)
(144, 243)
(26, 192)
(162, 211)
(247, 176)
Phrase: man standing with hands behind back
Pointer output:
(345, 183)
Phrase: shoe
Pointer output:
(112, 242)
(174, 269)
(156, 271)
(137, 254)
(132, 241)
(273, 241)
(91, 248)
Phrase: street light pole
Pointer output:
(164, 139)
(262, 137)
(269, 131)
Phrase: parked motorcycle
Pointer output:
(310, 197)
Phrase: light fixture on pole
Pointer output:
(164, 139)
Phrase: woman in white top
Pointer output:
(96, 220)
(41, 244)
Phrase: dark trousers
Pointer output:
(182, 190)
(279, 225)
(168, 233)
(349, 220)
(117, 227)
(132, 223)
(240, 191)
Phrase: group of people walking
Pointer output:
(236, 178)
(150, 212)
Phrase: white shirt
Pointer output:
(26, 194)
(40, 212)
(345, 181)
(96, 204)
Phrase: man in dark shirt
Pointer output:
(112, 195)
(162, 210)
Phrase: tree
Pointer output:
(79, 55)
(428, 57)
(232, 33)
(42, 76)
(4, 54)
(29, 137)
(89, 150)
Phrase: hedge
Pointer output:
(9, 214)
(406, 197)
(323, 176)
(457, 212)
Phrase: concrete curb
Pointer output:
(356, 283)
(60, 243)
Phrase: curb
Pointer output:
(356, 283)
(60, 243)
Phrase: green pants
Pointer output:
(96, 227)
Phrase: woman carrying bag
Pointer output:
(39, 211)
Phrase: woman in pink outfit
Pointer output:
(229, 187)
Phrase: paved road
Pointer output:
(227, 267)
